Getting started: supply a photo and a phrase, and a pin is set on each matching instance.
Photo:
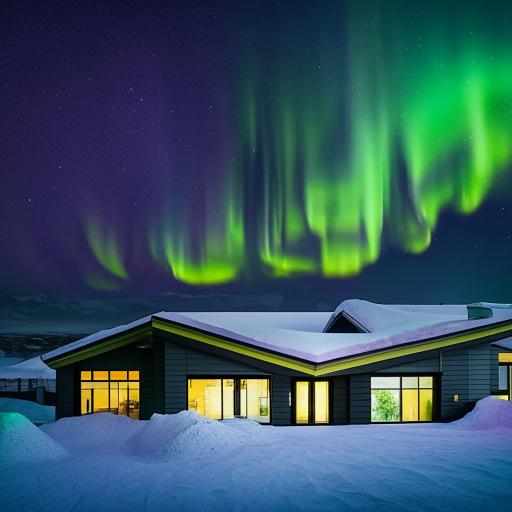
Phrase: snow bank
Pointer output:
(85, 433)
(35, 412)
(490, 413)
(184, 435)
(33, 368)
(22, 441)
(249, 426)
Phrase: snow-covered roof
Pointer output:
(33, 368)
(93, 338)
(301, 335)
(377, 317)
(504, 343)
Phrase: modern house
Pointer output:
(363, 363)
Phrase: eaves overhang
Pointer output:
(139, 333)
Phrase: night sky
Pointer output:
(255, 155)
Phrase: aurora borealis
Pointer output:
(153, 146)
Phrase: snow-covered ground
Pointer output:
(188, 462)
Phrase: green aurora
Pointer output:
(401, 115)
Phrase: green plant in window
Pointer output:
(263, 406)
(386, 406)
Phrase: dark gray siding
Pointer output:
(281, 410)
(454, 381)
(175, 357)
(479, 371)
(467, 372)
(339, 400)
(493, 355)
(360, 400)
(420, 366)
(65, 402)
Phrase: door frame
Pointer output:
(311, 382)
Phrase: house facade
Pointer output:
(363, 363)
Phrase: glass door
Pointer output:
(86, 407)
(322, 401)
(311, 402)
(302, 402)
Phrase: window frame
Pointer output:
(311, 416)
(78, 379)
(507, 391)
(435, 396)
(236, 394)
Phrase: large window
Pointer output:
(230, 398)
(115, 391)
(406, 398)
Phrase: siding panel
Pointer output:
(360, 399)
(468, 372)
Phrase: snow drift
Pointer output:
(489, 414)
(86, 433)
(22, 441)
(164, 436)
(35, 412)
(186, 434)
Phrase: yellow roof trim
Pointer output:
(233, 346)
(321, 369)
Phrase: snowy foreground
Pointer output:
(188, 462)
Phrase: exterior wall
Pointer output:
(339, 400)
(182, 362)
(494, 351)
(360, 399)
(65, 399)
(281, 410)
(149, 361)
(471, 372)
(430, 364)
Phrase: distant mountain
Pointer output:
(43, 314)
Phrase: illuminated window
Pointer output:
(505, 357)
(311, 402)
(402, 398)
(255, 399)
(109, 392)
(229, 398)
(302, 402)
(321, 401)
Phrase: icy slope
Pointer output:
(22, 441)
(106, 432)
(186, 434)
(489, 414)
